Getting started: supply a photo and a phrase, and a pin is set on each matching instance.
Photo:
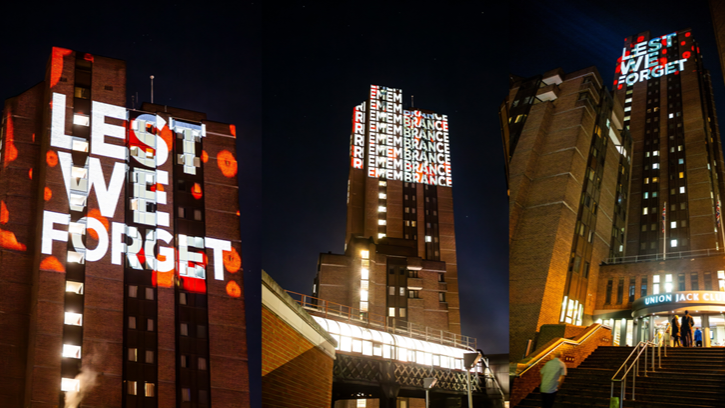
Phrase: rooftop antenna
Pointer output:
(412, 101)
(152, 89)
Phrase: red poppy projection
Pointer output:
(233, 289)
(56, 64)
(227, 163)
(51, 263)
(11, 152)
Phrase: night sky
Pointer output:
(318, 64)
(204, 58)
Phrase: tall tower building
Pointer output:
(567, 156)
(122, 278)
(643, 211)
(400, 257)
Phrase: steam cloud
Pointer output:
(87, 380)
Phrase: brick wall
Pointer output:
(294, 372)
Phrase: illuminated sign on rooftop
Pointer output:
(396, 144)
(653, 58)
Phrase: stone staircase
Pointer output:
(690, 377)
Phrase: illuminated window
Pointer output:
(182, 298)
(402, 312)
(382, 196)
(81, 93)
(132, 354)
(673, 224)
(76, 257)
(412, 223)
(681, 161)
(668, 283)
(364, 273)
(132, 322)
(645, 211)
(184, 329)
(656, 284)
(428, 238)
(131, 387)
(682, 174)
(391, 290)
(361, 403)
(363, 306)
(149, 293)
(391, 312)
(382, 209)
(381, 235)
(441, 296)
(682, 190)
(655, 179)
(382, 183)
(70, 384)
(75, 287)
(656, 153)
(381, 222)
(202, 363)
(655, 166)
(150, 390)
(363, 295)
(364, 254)
(73, 319)
(646, 180)
(132, 291)
(149, 357)
(402, 291)
(646, 195)
(71, 351)
(721, 280)
(81, 120)
(673, 243)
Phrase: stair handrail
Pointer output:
(642, 347)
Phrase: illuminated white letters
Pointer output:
(49, 233)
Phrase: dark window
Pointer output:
(708, 281)
(620, 291)
(608, 299)
(412, 274)
(643, 287)
(631, 289)
(441, 296)
(693, 281)
(681, 282)
(413, 294)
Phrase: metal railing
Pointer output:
(662, 256)
(337, 311)
(640, 349)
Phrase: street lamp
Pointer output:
(428, 383)
(469, 361)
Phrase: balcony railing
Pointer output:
(662, 257)
(348, 314)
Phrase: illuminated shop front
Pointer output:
(650, 315)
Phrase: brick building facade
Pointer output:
(563, 152)
(400, 254)
(124, 281)
(653, 191)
